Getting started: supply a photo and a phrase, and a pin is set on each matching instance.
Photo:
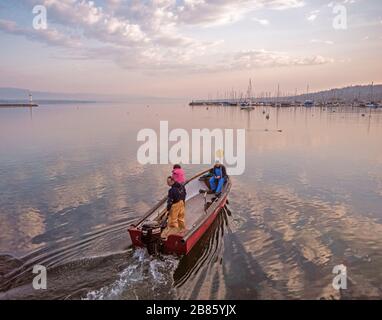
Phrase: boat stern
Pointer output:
(174, 244)
(136, 237)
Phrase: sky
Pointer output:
(189, 48)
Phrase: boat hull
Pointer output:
(177, 244)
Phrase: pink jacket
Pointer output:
(179, 176)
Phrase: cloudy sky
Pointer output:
(189, 48)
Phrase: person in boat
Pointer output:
(219, 177)
(175, 206)
(178, 174)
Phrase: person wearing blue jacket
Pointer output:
(219, 177)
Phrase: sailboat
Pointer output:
(372, 104)
(247, 104)
(308, 103)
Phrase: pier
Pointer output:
(14, 104)
(18, 105)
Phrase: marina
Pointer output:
(282, 104)
(362, 97)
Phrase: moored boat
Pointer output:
(372, 105)
(309, 103)
(202, 209)
(249, 108)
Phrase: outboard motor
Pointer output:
(151, 237)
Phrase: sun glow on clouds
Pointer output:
(147, 34)
(185, 37)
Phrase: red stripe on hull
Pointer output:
(203, 228)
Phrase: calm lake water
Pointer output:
(310, 199)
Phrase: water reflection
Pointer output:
(310, 199)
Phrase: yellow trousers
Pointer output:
(176, 216)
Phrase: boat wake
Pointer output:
(76, 271)
(200, 273)
(146, 277)
(106, 248)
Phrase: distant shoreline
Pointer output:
(16, 103)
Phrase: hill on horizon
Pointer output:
(351, 93)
